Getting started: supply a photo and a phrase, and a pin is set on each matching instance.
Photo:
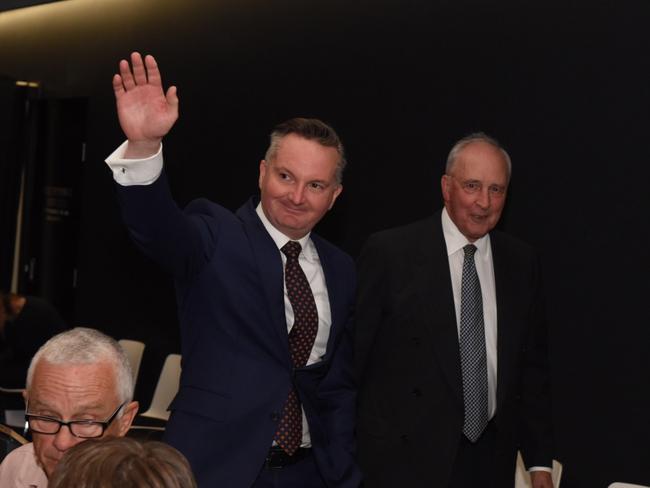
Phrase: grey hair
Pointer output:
(476, 137)
(82, 345)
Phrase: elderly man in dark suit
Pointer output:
(451, 341)
(266, 395)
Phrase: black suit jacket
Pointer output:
(408, 359)
(236, 369)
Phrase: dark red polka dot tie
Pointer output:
(301, 341)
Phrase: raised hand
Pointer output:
(146, 113)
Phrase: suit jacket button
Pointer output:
(275, 416)
(404, 438)
(417, 392)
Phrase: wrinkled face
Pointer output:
(73, 392)
(475, 191)
(299, 186)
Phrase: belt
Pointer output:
(277, 458)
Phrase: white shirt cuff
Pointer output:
(540, 468)
(128, 172)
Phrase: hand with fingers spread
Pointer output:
(145, 111)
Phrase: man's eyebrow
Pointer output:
(322, 182)
(79, 410)
(281, 167)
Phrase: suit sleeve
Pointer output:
(337, 394)
(536, 424)
(182, 242)
(370, 297)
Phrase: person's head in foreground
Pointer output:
(122, 463)
(79, 387)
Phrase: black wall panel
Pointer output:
(564, 85)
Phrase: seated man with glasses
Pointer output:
(79, 386)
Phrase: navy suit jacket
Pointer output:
(236, 366)
(408, 358)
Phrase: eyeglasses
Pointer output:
(473, 186)
(84, 429)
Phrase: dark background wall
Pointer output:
(563, 84)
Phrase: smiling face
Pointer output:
(474, 191)
(74, 392)
(299, 185)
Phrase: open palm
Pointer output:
(145, 112)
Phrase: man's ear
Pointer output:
(335, 195)
(262, 172)
(444, 186)
(127, 417)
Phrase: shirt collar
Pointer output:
(279, 238)
(455, 240)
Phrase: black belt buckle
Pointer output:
(277, 458)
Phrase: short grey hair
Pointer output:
(83, 345)
(476, 137)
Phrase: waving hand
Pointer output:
(145, 111)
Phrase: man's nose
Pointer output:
(297, 195)
(484, 199)
(64, 440)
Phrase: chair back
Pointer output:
(134, 351)
(166, 388)
(619, 484)
(11, 391)
(9, 440)
(522, 477)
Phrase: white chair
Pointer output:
(19, 391)
(522, 478)
(16, 418)
(166, 388)
(626, 485)
(134, 351)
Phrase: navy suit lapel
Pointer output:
(506, 336)
(269, 262)
(432, 282)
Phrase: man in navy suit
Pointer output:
(451, 341)
(249, 412)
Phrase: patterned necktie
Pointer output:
(473, 358)
(301, 341)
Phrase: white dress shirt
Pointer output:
(128, 172)
(455, 242)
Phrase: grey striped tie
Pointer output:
(473, 358)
